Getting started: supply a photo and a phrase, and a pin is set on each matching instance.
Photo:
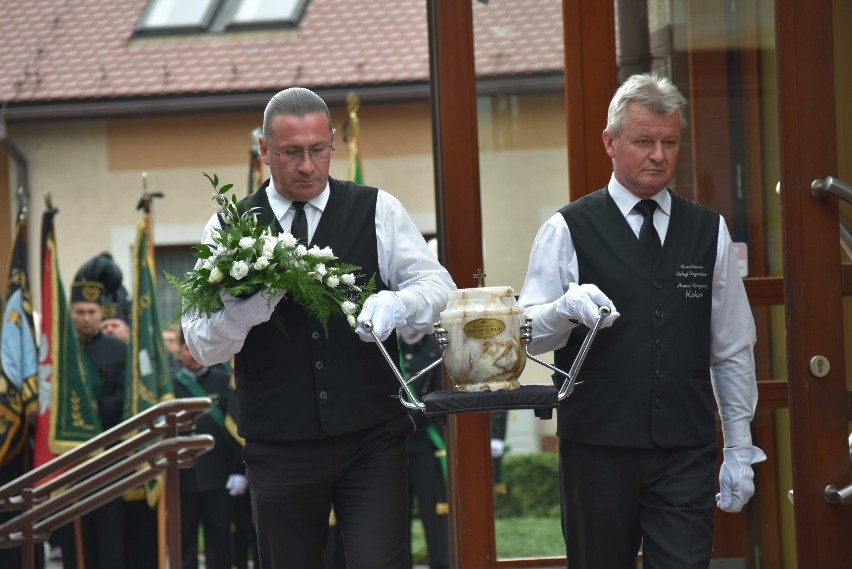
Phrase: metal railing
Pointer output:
(102, 469)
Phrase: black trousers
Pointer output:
(616, 499)
(211, 510)
(427, 485)
(293, 485)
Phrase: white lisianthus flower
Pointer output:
(220, 249)
(320, 271)
(348, 307)
(216, 276)
(268, 248)
(239, 270)
(332, 281)
(287, 239)
(208, 263)
(348, 279)
(352, 322)
(300, 251)
(261, 263)
(247, 242)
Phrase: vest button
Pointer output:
(319, 365)
(323, 395)
(658, 313)
(315, 335)
(658, 284)
(659, 373)
(658, 403)
(658, 343)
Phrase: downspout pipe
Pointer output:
(21, 170)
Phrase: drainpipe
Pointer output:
(20, 162)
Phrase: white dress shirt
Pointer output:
(406, 265)
(553, 266)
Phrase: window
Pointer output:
(194, 16)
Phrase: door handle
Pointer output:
(831, 185)
(837, 495)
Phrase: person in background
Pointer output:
(206, 489)
(117, 328)
(427, 482)
(637, 446)
(319, 412)
(171, 341)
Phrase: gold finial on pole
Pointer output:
(480, 278)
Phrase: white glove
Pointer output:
(236, 484)
(736, 478)
(386, 311)
(245, 313)
(497, 447)
(582, 303)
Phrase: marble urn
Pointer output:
(484, 350)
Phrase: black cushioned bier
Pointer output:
(541, 398)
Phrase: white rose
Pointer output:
(348, 307)
(247, 242)
(324, 253)
(287, 239)
(301, 250)
(348, 279)
(332, 281)
(216, 276)
(239, 270)
(261, 263)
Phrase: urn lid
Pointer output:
(482, 293)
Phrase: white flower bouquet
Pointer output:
(245, 258)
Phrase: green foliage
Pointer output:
(529, 537)
(245, 257)
(532, 481)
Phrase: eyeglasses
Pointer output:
(294, 156)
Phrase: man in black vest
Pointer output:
(637, 437)
(320, 413)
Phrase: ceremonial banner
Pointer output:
(68, 413)
(19, 369)
(255, 177)
(149, 378)
(352, 137)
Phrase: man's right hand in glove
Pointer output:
(581, 304)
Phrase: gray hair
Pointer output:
(293, 102)
(651, 92)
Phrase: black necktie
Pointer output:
(299, 228)
(648, 235)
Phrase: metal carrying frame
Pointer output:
(541, 398)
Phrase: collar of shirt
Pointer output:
(281, 207)
(626, 201)
(195, 374)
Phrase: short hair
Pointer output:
(650, 91)
(293, 102)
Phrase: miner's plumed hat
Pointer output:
(102, 269)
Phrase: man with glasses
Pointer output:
(320, 414)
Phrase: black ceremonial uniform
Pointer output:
(204, 500)
(426, 475)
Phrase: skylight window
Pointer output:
(195, 16)
(256, 11)
(178, 14)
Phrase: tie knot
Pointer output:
(646, 207)
(299, 205)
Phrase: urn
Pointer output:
(484, 350)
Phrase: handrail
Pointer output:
(102, 469)
(831, 185)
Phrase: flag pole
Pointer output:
(162, 515)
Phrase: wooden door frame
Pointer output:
(812, 279)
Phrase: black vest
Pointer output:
(298, 383)
(646, 379)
